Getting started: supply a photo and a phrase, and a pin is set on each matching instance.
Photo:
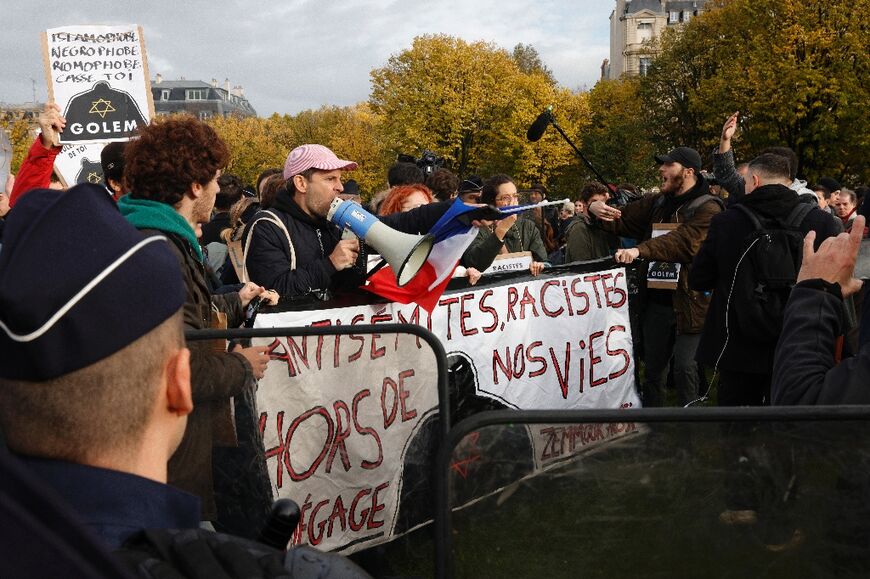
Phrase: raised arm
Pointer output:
(724, 168)
(35, 171)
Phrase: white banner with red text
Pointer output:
(346, 419)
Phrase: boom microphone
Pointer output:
(536, 131)
(540, 125)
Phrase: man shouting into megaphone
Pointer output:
(293, 248)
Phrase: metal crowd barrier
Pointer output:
(712, 492)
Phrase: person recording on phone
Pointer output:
(805, 370)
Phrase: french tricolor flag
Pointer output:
(452, 238)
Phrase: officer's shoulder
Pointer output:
(151, 552)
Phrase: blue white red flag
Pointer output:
(452, 238)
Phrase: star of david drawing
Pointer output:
(93, 177)
(106, 107)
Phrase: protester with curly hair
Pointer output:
(172, 172)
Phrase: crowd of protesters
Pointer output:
(213, 245)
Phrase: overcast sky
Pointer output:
(291, 55)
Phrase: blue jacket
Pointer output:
(113, 504)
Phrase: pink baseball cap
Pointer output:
(306, 157)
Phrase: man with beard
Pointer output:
(672, 319)
(294, 249)
(172, 172)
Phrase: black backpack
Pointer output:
(765, 273)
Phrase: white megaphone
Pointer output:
(405, 253)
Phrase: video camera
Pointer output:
(428, 161)
(619, 198)
(710, 178)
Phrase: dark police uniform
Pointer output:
(114, 505)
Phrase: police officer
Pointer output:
(95, 382)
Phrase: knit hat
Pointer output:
(830, 184)
(112, 160)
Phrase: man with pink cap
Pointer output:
(294, 249)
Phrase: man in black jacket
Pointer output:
(805, 371)
(294, 249)
(743, 359)
(172, 170)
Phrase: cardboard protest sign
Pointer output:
(547, 343)
(98, 76)
(80, 163)
(515, 262)
(663, 274)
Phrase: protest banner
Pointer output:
(79, 163)
(340, 416)
(557, 342)
(98, 76)
(554, 443)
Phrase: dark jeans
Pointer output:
(660, 342)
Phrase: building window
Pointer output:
(687, 15)
(644, 65)
(164, 94)
(196, 94)
(673, 17)
(204, 115)
(644, 31)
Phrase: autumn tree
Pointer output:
(615, 140)
(257, 144)
(472, 104)
(529, 61)
(356, 136)
(796, 69)
(21, 133)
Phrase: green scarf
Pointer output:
(147, 214)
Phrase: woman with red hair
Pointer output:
(404, 198)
